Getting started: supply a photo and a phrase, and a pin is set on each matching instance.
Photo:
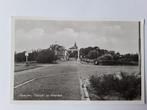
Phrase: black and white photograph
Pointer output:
(79, 60)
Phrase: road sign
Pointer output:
(26, 54)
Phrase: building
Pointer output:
(74, 51)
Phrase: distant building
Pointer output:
(74, 48)
(73, 51)
(64, 54)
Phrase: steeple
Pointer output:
(75, 45)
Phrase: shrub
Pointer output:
(127, 86)
(103, 84)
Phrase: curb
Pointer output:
(84, 92)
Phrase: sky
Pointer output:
(119, 36)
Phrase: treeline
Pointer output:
(48, 55)
(90, 54)
(104, 57)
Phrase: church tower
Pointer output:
(75, 46)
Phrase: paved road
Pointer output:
(59, 81)
(50, 82)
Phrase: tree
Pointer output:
(20, 57)
(33, 55)
(90, 52)
(116, 56)
(73, 54)
(106, 57)
(93, 54)
(46, 56)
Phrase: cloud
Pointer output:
(67, 33)
(119, 36)
(36, 33)
(27, 40)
